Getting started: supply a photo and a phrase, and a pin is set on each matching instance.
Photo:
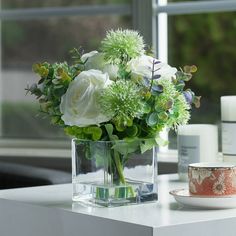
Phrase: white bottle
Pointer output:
(196, 143)
(228, 125)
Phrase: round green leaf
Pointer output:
(152, 119)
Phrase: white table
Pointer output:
(49, 211)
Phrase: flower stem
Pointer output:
(119, 167)
(120, 172)
(152, 79)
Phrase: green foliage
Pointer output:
(135, 108)
(127, 146)
(170, 108)
(52, 85)
(76, 54)
(147, 145)
(109, 129)
(88, 133)
(152, 119)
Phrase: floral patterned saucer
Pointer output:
(185, 198)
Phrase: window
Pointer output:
(182, 32)
(45, 30)
(202, 33)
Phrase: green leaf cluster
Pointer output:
(52, 85)
(183, 76)
(139, 107)
(87, 133)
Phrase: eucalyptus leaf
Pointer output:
(58, 86)
(97, 133)
(196, 101)
(146, 108)
(152, 119)
(160, 141)
(157, 88)
(129, 122)
(126, 147)
(41, 80)
(109, 129)
(156, 76)
(163, 116)
(132, 131)
(120, 126)
(98, 153)
(180, 85)
(147, 145)
(36, 67)
(58, 92)
(55, 81)
(50, 73)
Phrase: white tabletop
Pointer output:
(48, 210)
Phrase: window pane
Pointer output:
(26, 42)
(208, 41)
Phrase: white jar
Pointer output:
(196, 143)
(228, 125)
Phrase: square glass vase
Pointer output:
(113, 173)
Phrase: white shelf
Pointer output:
(49, 211)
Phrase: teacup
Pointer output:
(212, 179)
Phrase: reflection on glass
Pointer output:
(208, 41)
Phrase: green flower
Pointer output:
(168, 95)
(121, 46)
(122, 101)
(179, 115)
(171, 105)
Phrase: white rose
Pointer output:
(111, 70)
(79, 105)
(142, 66)
(95, 60)
(88, 55)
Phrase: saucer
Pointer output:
(185, 198)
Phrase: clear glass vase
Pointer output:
(113, 173)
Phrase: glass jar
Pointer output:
(114, 173)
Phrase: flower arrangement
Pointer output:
(118, 93)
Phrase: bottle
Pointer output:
(196, 143)
(228, 126)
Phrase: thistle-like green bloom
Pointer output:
(180, 114)
(174, 103)
(122, 101)
(168, 95)
(121, 46)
